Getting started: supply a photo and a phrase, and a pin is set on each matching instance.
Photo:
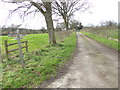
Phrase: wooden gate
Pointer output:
(8, 51)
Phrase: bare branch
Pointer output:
(33, 8)
(37, 5)
(68, 8)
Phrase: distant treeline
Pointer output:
(6, 31)
(102, 27)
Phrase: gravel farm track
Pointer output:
(93, 66)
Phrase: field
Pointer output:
(107, 37)
(35, 41)
(41, 62)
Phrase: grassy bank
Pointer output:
(41, 64)
(110, 43)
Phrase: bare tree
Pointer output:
(108, 23)
(67, 8)
(74, 24)
(118, 25)
(25, 8)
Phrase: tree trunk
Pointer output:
(66, 22)
(49, 22)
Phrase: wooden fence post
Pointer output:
(6, 49)
(20, 50)
(26, 43)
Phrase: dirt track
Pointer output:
(95, 66)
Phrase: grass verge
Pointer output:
(40, 65)
(111, 43)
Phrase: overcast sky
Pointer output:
(101, 10)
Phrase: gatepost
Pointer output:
(20, 50)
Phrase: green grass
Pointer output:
(110, 43)
(35, 42)
(41, 64)
(113, 33)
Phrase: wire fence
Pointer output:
(62, 34)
